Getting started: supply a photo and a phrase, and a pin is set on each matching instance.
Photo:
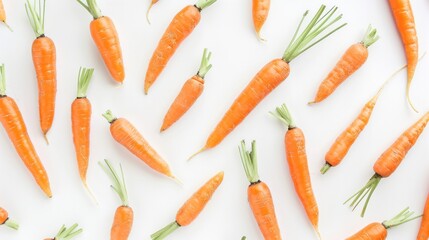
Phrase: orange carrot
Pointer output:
(180, 27)
(129, 137)
(272, 74)
(260, 10)
(66, 233)
(153, 2)
(352, 60)
(106, 39)
(389, 161)
(3, 15)
(259, 195)
(296, 157)
(190, 92)
(44, 60)
(13, 123)
(404, 18)
(424, 227)
(5, 220)
(124, 215)
(192, 207)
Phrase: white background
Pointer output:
(226, 29)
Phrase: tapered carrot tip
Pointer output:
(177, 180)
(7, 25)
(46, 138)
(48, 193)
(195, 154)
(90, 193)
(316, 229)
(411, 103)
(147, 13)
(258, 34)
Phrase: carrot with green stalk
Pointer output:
(67, 233)
(5, 220)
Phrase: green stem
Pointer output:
(201, 4)
(403, 217)
(205, 64)
(2, 81)
(367, 192)
(250, 161)
(167, 230)
(370, 37)
(282, 113)
(10, 223)
(36, 16)
(118, 180)
(84, 78)
(108, 115)
(243, 238)
(325, 168)
(68, 233)
(92, 7)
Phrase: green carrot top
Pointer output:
(67, 233)
(201, 4)
(118, 180)
(2, 81)
(205, 64)
(370, 37)
(283, 114)
(403, 217)
(84, 78)
(108, 115)
(36, 16)
(92, 7)
(250, 161)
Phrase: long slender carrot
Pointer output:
(404, 18)
(424, 226)
(124, 215)
(3, 16)
(259, 195)
(260, 10)
(272, 74)
(296, 157)
(13, 123)
(180, 28)
(152, 2)
(192, 207)
(355, 56)
(129, 137)
(67, 233)
(5, 220)
(106, 38)
(190, 92)
(44, 59)
(389, 161)
(378, 231)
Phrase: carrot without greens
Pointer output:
(352, 60)
(296, 157)
(124, 216)
(152, 2)
(272, 74)
(106, 39)
(259, 195)
(424, 226)
(192, 207)
(3, 15)
(180, 27)
(66, 233)
(378, 231)
(190, 92)
(13, 123)
(5, 220)
(389, 161)
(260, 10)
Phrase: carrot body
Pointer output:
(260, 10)
(373, 231)
(122, 223)
(2, 12)
(424, 227)
(4, 215)
(81, 128)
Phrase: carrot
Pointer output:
(404, 18)
(424, 227)
(124, 215)
(13, 123)
(389, 161)
(129, 137)
(192, 207)
(106, 39)
(352, 60)
(259, 195)
(190, 92)
(296, 157)
(3, 16)
(44, 59)
(378, 231)
(5, 220)
(66, 233)
(260, 10)
(180, 28)
(272, 74)
(153, 2)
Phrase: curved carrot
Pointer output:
(105, 37)
(3, 16)
(124, 216)
(192, 207)
(67, 233)
(13, 123)
(424, 226)
(153, 2)
(5, 220)
(389, 161)
(190, 92)
(260, 10)
(180, 28)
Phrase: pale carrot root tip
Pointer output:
(147, 12)
(316, 229)
(411, 102)
(46, 138)
(260, 38)
(325, 168)
(177, 180)
(198, 152)
(7, 25)
(89, 191)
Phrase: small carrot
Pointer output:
(105, 37)
(259, 195)
(153, 2)
(389, 161)
(3, 16)
(272, 74)
(129, 137)
(180, 27)
(192, 207)
(260, 10)
(5, 220)
(424, 227)
(355, 56)
(190, 92)
(67, 233)
(123, 220)
(13, 123)
(44, 59)
(296, 157)
(378, 231)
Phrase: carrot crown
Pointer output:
(370, 37)
(403, 217)
(250, 161)
(282, 113)
(92, 7)
(304, 41)
(367, 192)
(118, 181)
(108, 115)
(68, 233)
(205, 64)
(201, 4)
(2, 80)
(85, 75)
(10, 223)
(36, 16)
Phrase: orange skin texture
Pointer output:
(424, 227)
(352, 60)
(190, 92)
(129, 137)
(81, 127)
(44, 59)
(13, 123)
(2, 12)
(196, 203)
(4, 215)
(106, 39)
(260, 10)
(298, 166)
(122, 223)
(265, 81)
(393, 156)
(180, 27)
(373, 231)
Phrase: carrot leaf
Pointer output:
(68, 233)
(201, 4)
(205, 64)
(282, 113)
(92, 7)
(243, 238)
(36, 16)
(10, 223)
(250, 161)
(118, 181)
(370, 37)
(2, 80)
(84, 78)
(403, 217)
(164, 232)
(367, 192)
(108, 115)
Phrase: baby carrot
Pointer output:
(67, 233)
(5, 220)
(424, 226)
(3, 15)
(260, 10)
